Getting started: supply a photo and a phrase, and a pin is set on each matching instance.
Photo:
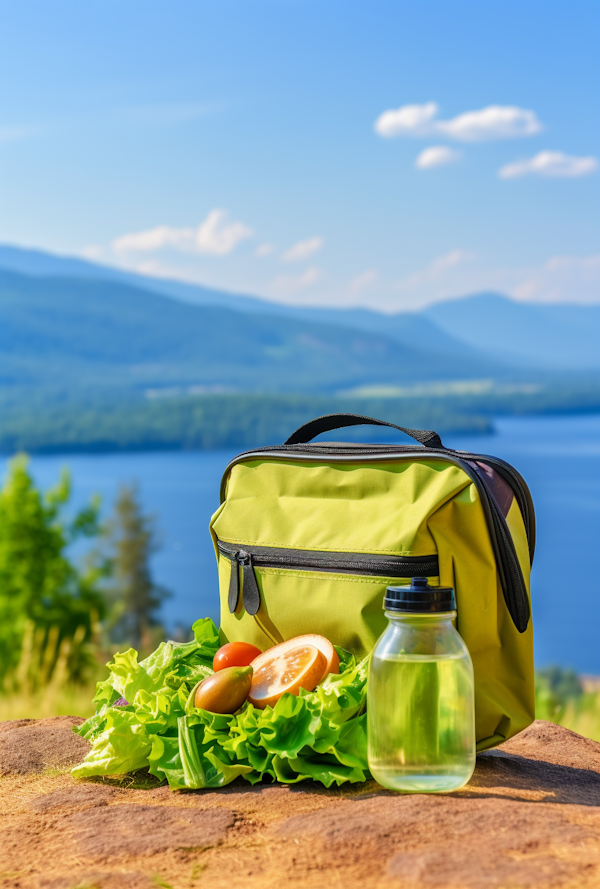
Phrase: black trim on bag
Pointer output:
(329, 422)
(507, 562)
(371, 565)
(350, 450)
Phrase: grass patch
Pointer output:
(67, 700)
(562, 697)
(558, 700)
(582, 715)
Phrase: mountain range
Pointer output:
(66, 323)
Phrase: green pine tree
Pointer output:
(131, 539)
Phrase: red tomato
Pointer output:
(235, 654)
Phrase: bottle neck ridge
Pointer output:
(417, 616)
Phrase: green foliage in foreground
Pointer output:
(146, 718)
(57, 616)
(560, 698)
(47, 607)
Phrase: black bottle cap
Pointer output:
(419, 598)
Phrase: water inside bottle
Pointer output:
(426, 742)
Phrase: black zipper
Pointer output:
(372, 565)
(509, 569)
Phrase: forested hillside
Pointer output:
(94, 333)
(94, 359)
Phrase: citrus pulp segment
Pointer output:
(286, 667)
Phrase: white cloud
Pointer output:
(290, 284)
(215, 236)
(303, 249)
(264, 250)
(559, 279)
(436, 271)
(492, 122)
(436, 156)
(361, 281)
(154, 239)
(564, 279)
(409, 120)
(553, 164)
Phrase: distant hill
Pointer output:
(534, 335)
(408, 329)
(75, 333)
(39, 263)
(479, 331)
(96, 359)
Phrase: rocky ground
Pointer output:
(530, 817)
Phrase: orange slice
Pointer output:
(325, 646)
(286, 667)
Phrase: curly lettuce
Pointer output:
(146, 718)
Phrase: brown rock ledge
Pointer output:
(530, 817)
(37, 745)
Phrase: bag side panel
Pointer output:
(502, 657)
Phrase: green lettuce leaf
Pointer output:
(123, 746)
(344, 695)
(189, 762)
(146, 717)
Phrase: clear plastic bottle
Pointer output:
(420, 704)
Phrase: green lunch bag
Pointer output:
(309, 534)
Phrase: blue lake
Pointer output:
(559, 458)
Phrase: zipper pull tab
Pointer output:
(250, 590)
(234, 585)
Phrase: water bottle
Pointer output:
(420, 700)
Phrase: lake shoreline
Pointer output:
(477, 429)
(208, 423)
(558, 456)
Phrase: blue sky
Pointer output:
(340, 153)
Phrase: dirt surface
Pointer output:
(530, 817)
(28, 746)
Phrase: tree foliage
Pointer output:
(44, 597)
(131, 538)
(206, 422)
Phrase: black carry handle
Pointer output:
(337, 421)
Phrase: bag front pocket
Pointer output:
(291, 591)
